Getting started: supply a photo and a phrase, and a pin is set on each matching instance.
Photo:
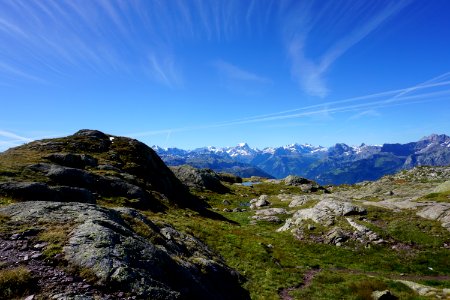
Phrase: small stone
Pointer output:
(226, 202)
(15, 236)
(226, 210)
(311, 227)
(24, 246)
(31, 297)
(383, 295)
(36, 255)
(26, 257)
(40, 245)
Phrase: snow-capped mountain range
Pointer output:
(340, 163)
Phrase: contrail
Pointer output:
(394, 98)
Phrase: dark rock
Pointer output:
(26, 191)
(296, 180)
(108, 168)
(73, 194)
(230, 178)
(71, 176)
(199, 178)
(91, 133)
(79, 161)
(37, 191)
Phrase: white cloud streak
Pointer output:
(237, 73)
(310, 71)
(431, 90)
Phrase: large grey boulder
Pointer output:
(271, 211)
(230, 178)
(73, 160)
(305, 185)
(38, 191)
(437, 211)
(158, 263)
(107, 186)
(324, 213)
(199, 178)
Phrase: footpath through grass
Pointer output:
(272, 261)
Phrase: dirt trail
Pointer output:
(307, 279)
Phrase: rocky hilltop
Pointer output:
(96, 216)
(91, 166)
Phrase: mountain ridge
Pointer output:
(337, 164)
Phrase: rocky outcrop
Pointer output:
(305, 185)
(104, 165)
(199, 178)
(323, 213)
(230, 178)
(269, 214)
(439, 212)
(79, 161)
(261, 201)
(37, 191)
(124, 250)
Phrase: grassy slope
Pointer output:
(272, 261)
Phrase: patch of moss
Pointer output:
(56, 236)
(15, 282)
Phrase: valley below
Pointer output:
(96, 216)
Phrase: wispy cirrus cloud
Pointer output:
(236, 73)
(164, 70)
(302, 29)
(40, 39)
(109, 37)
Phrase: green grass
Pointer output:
(56, 236)
(271, 268)
(341, 285)
(15, 282)
(436, 197)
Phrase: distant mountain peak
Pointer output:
(340, 163)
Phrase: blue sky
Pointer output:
(197, 73)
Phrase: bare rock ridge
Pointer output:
(89, 166)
